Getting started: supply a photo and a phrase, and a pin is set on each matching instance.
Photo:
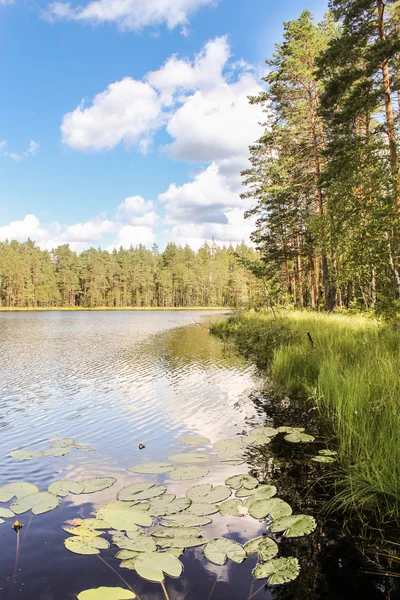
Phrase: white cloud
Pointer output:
(91, 231)
(126, 111)
(131, 235)
(30, 151)
(29, 227)
(130, 14)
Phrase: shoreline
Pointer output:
(108, 308)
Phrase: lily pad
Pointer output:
(177, 532)
(278, 570)
(193, 440)
(140, 491)
(39, 503)
(202, 509)
(185, 519)
(96, 484)
(299, 438)
(226, 445)
(181, 542)
(327, 452)
(127, 555)
(275, 507)
(83, 531)
(246, 481)
(153, 566)
(231, 507)
(25, 454)
(232, 457)
(207, 493)
(6, 513)
(90, 523)
(263, 546)
(19, 489)
(188, 458)
(63, 442)
(124, 518)
(56, 451)
(323, 459)
(261, 492)
(168, 505)
(63, 487)
(137, 542)
(219, 550)
(263, 431)
(285, 429)
(294, 525)
(86, 545)
(151, 468)
(106, 593)
(189, 472)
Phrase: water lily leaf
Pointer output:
(153, 565)
(127, 555)
(63, 442)
(151, 468)
(137, 542)
(261, 492)
(274, 507)
(97, 484)
(56, 451)
(235, 463)
(294, 525)
(6, 513)
(327, 452)
(267, 549)
(263, 431)
(231, 507)
(232, 457)
(86, 545)
(63, 487)
(297, 438)
(185, 519)
(193, 440)
(323, 459)
(251, 547)
(83, 531)
(106, 593)
(89, 523)
(278, 570)
(181, 532)
(209, 494)
(19, 489)
(181, 542)
(189, 472)
(140, 491)
(2, 521)
(202, 509)
(243, 480)
(188, 458)
(285, 429)
(168, 505)
(39, 503)
(219, 550)
(124, 518)
(228, 445)
(25, 454)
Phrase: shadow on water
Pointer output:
(133, 378)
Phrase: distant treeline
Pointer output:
(179, 276)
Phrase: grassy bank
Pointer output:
(109, 308)
(349, 366)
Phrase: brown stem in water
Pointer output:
(256, 592)
(165, 591)
(15, 567)
(118, 575)
(213, 588)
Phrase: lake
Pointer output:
(115, 380)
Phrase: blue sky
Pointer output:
(126, 121)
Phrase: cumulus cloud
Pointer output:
(133, 15)
(133, 235)
(127, 111)
(30, 151)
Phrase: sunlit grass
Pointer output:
(349, 366)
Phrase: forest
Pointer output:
(324, 175)
(137, 277)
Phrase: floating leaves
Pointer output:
(231, 507)
(18, 489)
(188, 458)
(39, 503)
(63, 442)
(136, 542)
(274, 508)
(63, 487)
(294, 525)
(285, 429)
(151, 468)
(189, 472)
(228, 445)
(124, 518)
(261, 492)
(325, 456)
(153, 566)
(231, 457)
(56, 451)
(6, 513)
(168, 505)
(278, 570)
(193, 440)
(96, 484)
(298, 438)
(106, 593)
(86, 545)
(238, 481)
(185, 519)
(263, 546)
(260, 435)
(207, 493)
(179, 537)
(202, 509)
(25, 454)
(140, 491)
(219, 550)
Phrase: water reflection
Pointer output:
(114, 380)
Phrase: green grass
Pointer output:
(352, 373)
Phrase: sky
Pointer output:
(126, 122)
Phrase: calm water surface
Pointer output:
(113, 381)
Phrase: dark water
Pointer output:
(114, 380)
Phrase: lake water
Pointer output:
(112, 381)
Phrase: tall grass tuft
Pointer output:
(350, 367)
